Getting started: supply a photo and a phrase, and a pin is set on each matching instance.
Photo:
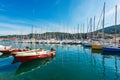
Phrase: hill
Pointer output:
(111, 29)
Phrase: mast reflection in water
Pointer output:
(32, 65)
(72, 62)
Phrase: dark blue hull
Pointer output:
(111, 49)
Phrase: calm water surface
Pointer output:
(72, 62)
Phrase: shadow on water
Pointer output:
(14, 61)
(97, 51)
(111, 53)
(5, 55)
(32, 65)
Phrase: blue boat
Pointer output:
(111, 49)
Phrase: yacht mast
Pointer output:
(115, 22)
(94, 29)
(103, 36)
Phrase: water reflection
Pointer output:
(111, 53)
(30, 66)
(96, 51)
(5, 55)
(111, 56)
(73, 62)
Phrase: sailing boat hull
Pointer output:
(111, 49)
(5, 51)
(87, 45)
(96, 47)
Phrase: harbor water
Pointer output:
(72, 62)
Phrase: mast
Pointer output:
(115, 22)
(94, 28)
(32, 32)
(74, 33)
(91, 28)
(83, 33)
(78, 32)
(87, 29)
(103, 36)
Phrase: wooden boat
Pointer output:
(34, 55)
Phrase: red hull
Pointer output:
(17, 50)
(5, 51)
(35, 57)
(26, 58)
(10, 51)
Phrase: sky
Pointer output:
(19, 16)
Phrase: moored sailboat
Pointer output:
(113, 48)
(98, 45)
(87, 43)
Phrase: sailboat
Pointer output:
(113, 48)
(87, 43)
(97, 45)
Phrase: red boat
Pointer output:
(16, 51)
(33, 55)
(5, 49)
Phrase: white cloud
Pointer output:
(111, 12)
(13, 26)
(7, 28)
(79, 14)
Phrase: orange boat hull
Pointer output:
(96, 47)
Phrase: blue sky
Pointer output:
(18, 16)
